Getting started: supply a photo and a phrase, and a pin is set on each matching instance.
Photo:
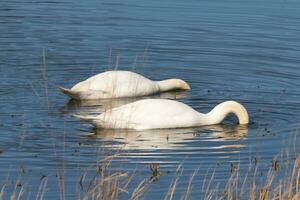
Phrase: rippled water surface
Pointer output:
(246, 51)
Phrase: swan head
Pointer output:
(218, 114)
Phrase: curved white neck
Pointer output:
(219, 113)
(172, 84)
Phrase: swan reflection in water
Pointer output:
(98, 106)
(220, 135)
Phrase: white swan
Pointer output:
(164, 113)
(117, 84)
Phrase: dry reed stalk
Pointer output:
(188, 191)
(42, 189)
(2, 190)
(209, 193)
(173, 184)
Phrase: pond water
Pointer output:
(245, 51)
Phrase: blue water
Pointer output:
(245, 51)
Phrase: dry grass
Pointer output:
(109, 185)
(104, 183)
(274, 186)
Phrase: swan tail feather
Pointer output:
(85, 95)
(72, 94)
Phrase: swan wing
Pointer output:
(118, 84)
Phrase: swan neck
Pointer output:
(172, 84)
(221, 111)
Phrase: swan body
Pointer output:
(163, 113)
(117, 84)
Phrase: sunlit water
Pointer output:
(246, 51)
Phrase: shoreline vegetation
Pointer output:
(281, 181)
